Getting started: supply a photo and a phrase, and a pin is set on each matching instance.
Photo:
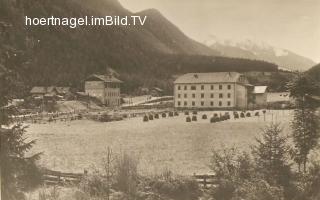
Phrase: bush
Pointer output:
(215, 115)
(214, 119)
(257, 114)
(248, 114)
(176, 114)
(171, 114)
(236, 116)
(164, 115)
(178, 188)
(204, 117)
(188, 119)
(156, 116)
(186, 112)
(194, 112)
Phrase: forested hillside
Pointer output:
(143, 56)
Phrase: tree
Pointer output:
(271, 156)
(305, 135)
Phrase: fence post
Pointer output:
(205, 181)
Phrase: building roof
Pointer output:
(63, 90)
(157, 89)
(38, 90)
(105, 78)
(260, 89)
(216, 77)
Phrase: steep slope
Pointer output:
(314, 72)
(148, 55)
(261, 51)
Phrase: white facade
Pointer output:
(104, 88)
(203, 91)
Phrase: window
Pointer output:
(193, 95)
(211, 103)
(179, 87)
(229, 103)
(229, 95)
(185, 103)
(185, 95)
(202, 103)
(202, 95)
(193, 87)
(229, 87)
(220, 103)
(179, 96)
(220, 95)
(179, 103)
(185, 87)
(212, 96)
(212, 87)
(220, 87)
(193, 103)
(202, 87)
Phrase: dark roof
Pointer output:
(105, 78)
(38, 90)
(63, 90)
(216, 77)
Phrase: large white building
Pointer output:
(106, 88)
(220, 90)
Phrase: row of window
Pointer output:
(194, 87)
(202, 95)
(113, 94)
(193, 103)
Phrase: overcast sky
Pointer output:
(289, 24)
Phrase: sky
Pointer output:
(288, 24)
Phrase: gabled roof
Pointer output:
(216, 77)
(38, 90)
(63, 90)
(260, 89)
(157, 89)
(105, 78)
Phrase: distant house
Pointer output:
(278, 97)
(222, 90)
(156, 92)
(260, 94)
(38, 92)
(50, 92)
(106, 88)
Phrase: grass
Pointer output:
(165, 143)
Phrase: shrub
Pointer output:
(176, 114)
(236, 116)
(194, 112)
(145, 118)
(257, 114)
(171, 114)
(178, 188)
(213, 120)
(204, 117)
(188, 119)
(164, 115)
(156, 116)
(186, 112)
(126, 175)
(248, 114)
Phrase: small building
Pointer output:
(219, 90)
(38, 92)
(106, 88)
(259, 95)
(156, 92)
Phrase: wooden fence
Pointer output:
(60, 178)
(206, 180)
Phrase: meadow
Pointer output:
(166, 143)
